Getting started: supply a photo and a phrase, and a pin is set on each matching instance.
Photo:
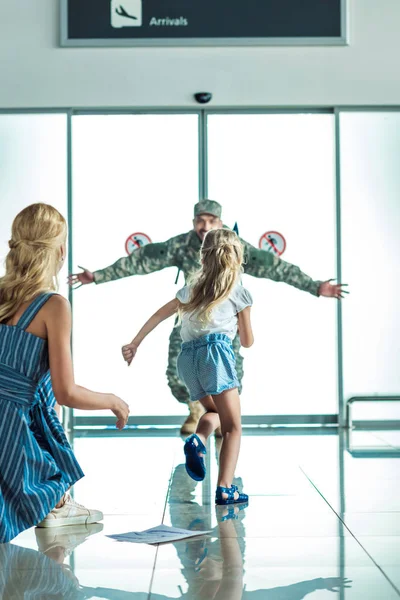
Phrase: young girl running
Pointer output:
(211, 307)
(37, 465)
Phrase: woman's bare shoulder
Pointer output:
(57, 305)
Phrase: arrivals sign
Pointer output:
(203, 22)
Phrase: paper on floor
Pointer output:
(157, 535)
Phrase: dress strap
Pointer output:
(32, 310)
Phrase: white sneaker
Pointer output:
(68, 538)
(71, 513)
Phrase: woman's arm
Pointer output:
(57, 317)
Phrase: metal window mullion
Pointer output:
(203, 155)
(341, 407)
(68, 413)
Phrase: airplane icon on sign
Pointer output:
(122, 13)
(126, 13)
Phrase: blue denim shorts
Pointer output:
(207, 366)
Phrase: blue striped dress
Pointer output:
(29, 575)
(37, 464)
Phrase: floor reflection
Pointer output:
(214, 568)
(44, 574)
(304, 531)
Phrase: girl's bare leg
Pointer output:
(209, 422)
(228, 406)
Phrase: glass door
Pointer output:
(131, 174)
(276, 173)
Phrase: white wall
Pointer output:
(35, 72)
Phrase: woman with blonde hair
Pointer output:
(37, 464)
(211, 307)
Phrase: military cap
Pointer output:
(209, 207)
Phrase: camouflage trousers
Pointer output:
(177, 387)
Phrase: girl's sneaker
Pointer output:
(71, 513)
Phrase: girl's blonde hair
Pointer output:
(222, 259)
(32, 264)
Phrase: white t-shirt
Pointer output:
(223, 317)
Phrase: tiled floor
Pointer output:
(320, 520)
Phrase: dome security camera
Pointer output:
(203, 97)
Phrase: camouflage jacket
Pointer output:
(182, 252)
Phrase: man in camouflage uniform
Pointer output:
(182, 252)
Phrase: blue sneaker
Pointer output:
(195, 467)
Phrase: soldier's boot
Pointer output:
(196, 410)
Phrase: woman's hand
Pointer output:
(121, 411)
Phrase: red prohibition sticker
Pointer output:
(135, 241)
(272, 241)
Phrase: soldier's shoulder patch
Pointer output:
(256, 257)
(157, 250)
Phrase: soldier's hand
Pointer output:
(333, 584)
(330, 290)
(128, 352)
(76, 280)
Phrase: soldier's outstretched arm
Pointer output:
(147, 259)
(144, 260)
(260, 263)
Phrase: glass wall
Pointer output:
(276, 172)
(271, 172)
(370, 191)
(33, 168)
